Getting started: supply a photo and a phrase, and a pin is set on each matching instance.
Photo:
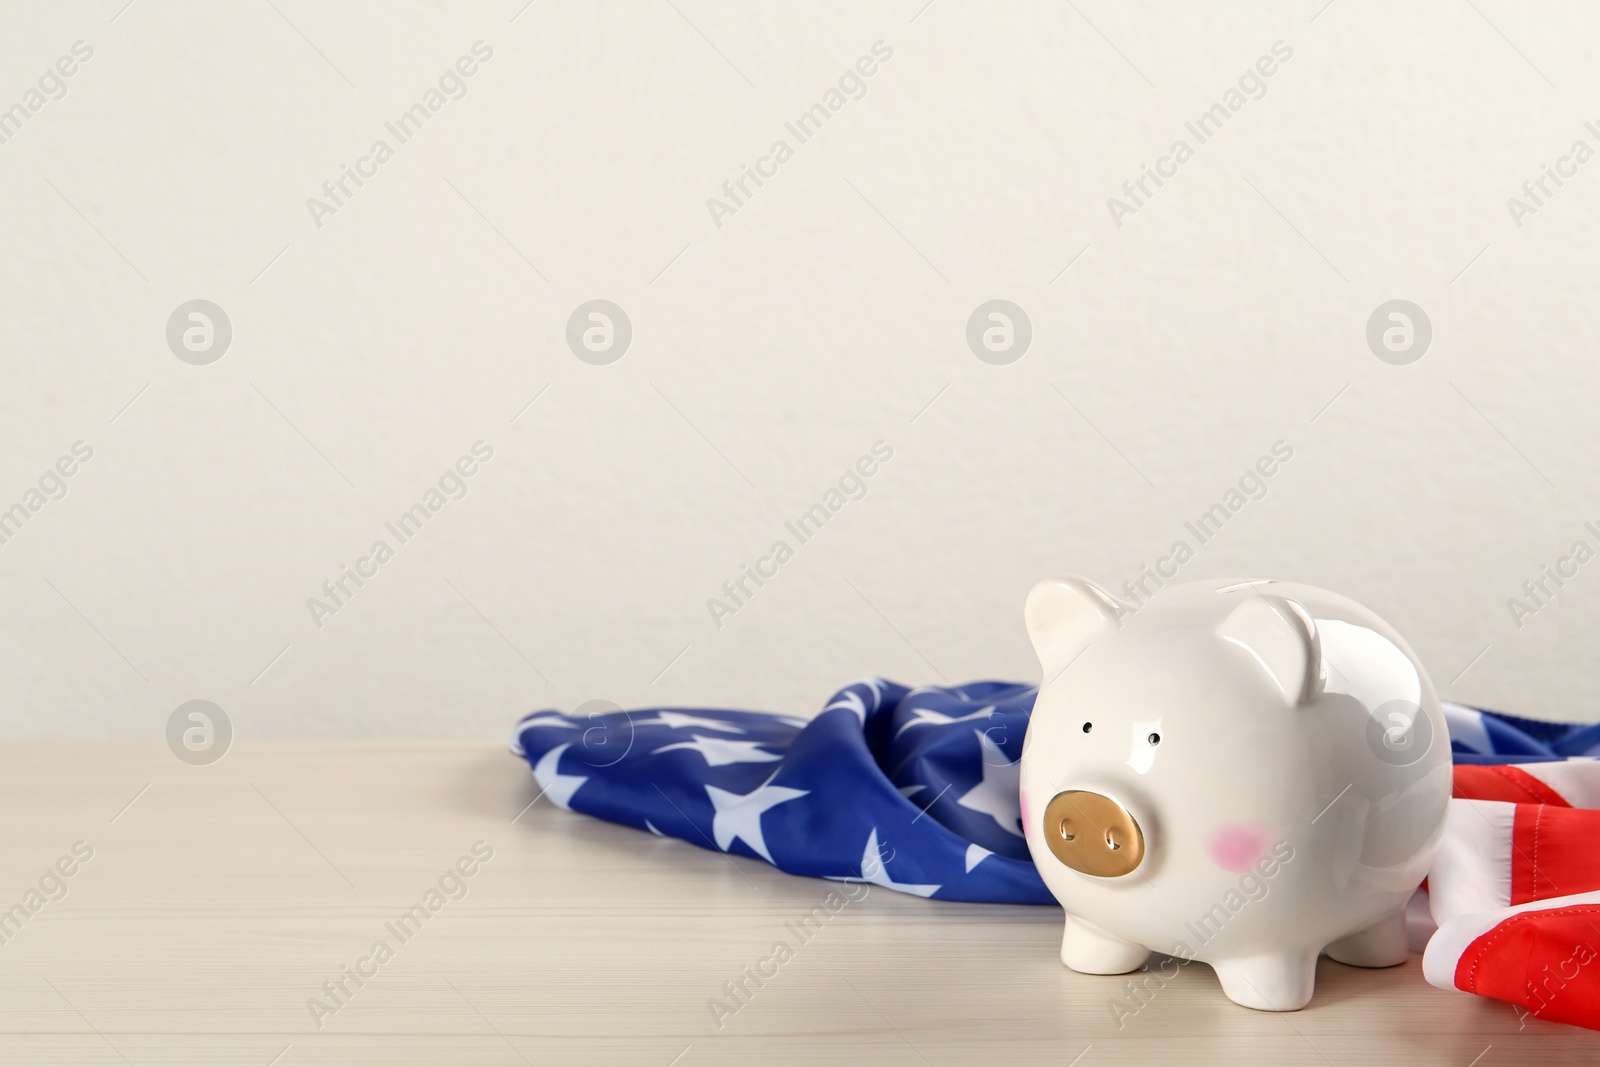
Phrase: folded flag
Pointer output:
(913, 790)
(916, 790)
(1515, 889)
(1494, 737)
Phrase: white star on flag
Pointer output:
(947, 690)
(738, 818)
(557, 786)
(877, 685)
(719, 751)
(851, 702)
(997, 795)
(874, 871)
(929, 717)
(976, 854)
(534, 718)
(677, 720)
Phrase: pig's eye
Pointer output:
(1088, 726)
(1154, 739)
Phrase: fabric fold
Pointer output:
(916, 790)
(913, 790)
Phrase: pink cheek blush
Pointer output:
(1022, 799)
(1236, 847)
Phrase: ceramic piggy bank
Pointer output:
(1250, 774)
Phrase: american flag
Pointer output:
(1512, 903)
(916, 790)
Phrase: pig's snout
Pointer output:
(1093, 834)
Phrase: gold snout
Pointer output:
(1093, 834)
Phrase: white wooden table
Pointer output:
(218, 903)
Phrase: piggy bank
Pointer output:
(1249, 774)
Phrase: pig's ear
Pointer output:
(1283, 638)
(1064, 615)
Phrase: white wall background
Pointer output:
(768, 354)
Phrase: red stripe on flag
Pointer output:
(1553, 853)
(1473, 782)
(1544, 960)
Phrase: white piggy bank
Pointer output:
(1245, 773)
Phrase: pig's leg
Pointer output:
(1383, 944)
(1280, 982)
(1087, 948)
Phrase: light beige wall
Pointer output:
(772, 346)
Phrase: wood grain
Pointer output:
(220, 900)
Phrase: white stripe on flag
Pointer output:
(1472, 870)
(1444, 952)
(1577, 780)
